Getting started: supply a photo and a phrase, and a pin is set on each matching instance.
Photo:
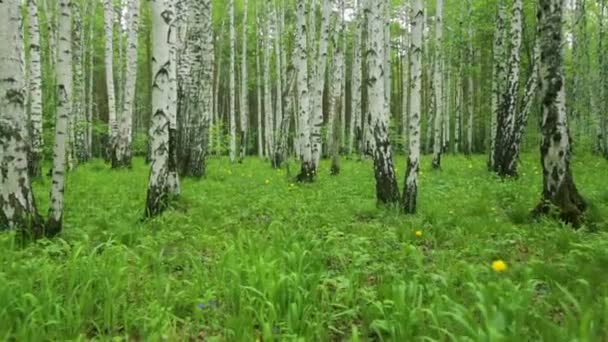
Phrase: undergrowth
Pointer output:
(247, 254)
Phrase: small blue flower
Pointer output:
(201, 306)
(212, 303)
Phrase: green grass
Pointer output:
(247, 254)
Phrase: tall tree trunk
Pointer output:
(232, 83)
(268, 110)
(201, 105)
(259, 90)
(35, 91)
(470, 95)
(163, 14)
(109, 64)
(559, 188)
(356, 131)
(307, 171)
(335, 103)
(504, 165)
(17, 204)
(122, 149)
(279, 86)
(280, 154)
(64, 97)
(499, 75)
(319, 72)
(602, 120)
(410, 192)
(380, 146)
(244, 112)
(438, 83)
(91, 100)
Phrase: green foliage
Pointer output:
(247, 254)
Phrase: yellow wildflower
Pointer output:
(418, 233)
(268, 181)
(499, 266)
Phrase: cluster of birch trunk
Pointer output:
(312, 79)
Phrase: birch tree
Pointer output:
(232, 83)
(268, 110)
(499, 75)
(559, 188)
(438, 86)
(307, 170)
(356, 131)
(470, 84)
(162, 13)
(17, 204)
(335, 103)
(319, 71)
(121, 156)
(410, 192)
(244, 103)
(64, 109)
(35, 92)
(379, 144)
(109, 65)
(506, 115)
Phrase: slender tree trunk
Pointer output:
(35, 87)
(64, 97)
(380, 146)
(259, 90)
(335, 118)
(109, 57)
(17, 203)
(356, 132)
(410, 192)
(268, 110)
(438, 83)
(232, 83)
(122, 149)
(279, 86)
(89, 119)
(319, 83)
(506, 114)
(307, 172)
(163, 14)
(470, 95)
(559, 188)
(602, 120)
(280, 154)
(244, 112)
(499, 75)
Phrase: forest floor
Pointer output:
(246, 254)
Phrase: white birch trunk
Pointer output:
(259, 113)
(319, 84)
(504, 165)
(64, 98)
(121, 156)
(35, 92)
(279, 86)
(356, 131)
(410, 192)
(109, 64)
(244, 112)
(559, 188)
(307, 172)
(232, 83)
(379, 143)
(335, 101)
(17, 204)
(162, 12)
(438, 85)
(499, 75)
(470, 96)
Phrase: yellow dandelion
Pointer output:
(418, 233)
(268, 181)
(499, 266)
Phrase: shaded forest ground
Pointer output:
(248, 254)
